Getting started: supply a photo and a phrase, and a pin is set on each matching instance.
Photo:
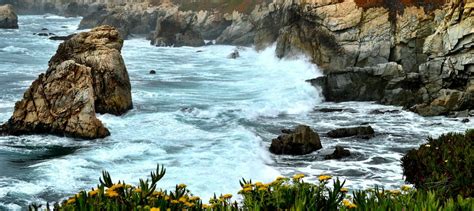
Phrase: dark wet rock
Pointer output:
(45, 34)
(365, 132)
(62, 38)
(234, 55)
(381, 111)
(199, 51)
(338, 153)
(287, 131)
(44, 29)
(302, 140)
(152, 72)
(176, 29)
(465, 120)
(333, 110)
(8, 17)
(86, 75)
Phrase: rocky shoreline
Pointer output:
(411, 54)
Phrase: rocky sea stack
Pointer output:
(8, 17)
(86, 76)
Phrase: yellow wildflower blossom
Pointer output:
(182, 186)
(206, 206)
(247, 185)
(298, 176)
(93, 193)
(258, 184)
(323, 178)
(194, 198)
(344, 190)
(183, 199)
(246, 190)
(348, 204)
(71, 201)
(280, 178)
(111, 193)
(395, 192)
(116, 186)
(406, 187)
(227, 196)
(138, 190)
(167, 198)
(263, 189)
(155, 209)
(174, 202)
(189, 204)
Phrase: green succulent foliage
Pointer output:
(444, 165)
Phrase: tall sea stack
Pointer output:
(86, 76)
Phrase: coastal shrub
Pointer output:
(444, 165)
(281, 194)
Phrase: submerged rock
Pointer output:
(62, 38)
(152, 72)
(234, 55)
(302, 140)
(8, 17)
(338, 153)
(87, 75)
(365, 132)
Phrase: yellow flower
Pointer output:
(280, 178)
(183, 200)
(406, 187)
(111, 193)
(189, 204)
(246, 190)
(182, 186)
(348, 204)
(174, 202)
(344, 190)
(395, 192)
(247, 185)
(127, 186)
(138, 190)
(116, 186)
(194, 198)
(167, 198)
(263, 189)
(323, 178)
(258, 184)
(298, 176)
(93, 193)
(206, 206)
(71, 201)
(155, 209)
(227, 196)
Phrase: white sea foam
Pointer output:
(13, 49)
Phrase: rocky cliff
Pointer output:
(86, 76)
(8, 17)
(417, 54)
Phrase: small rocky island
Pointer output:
(8, 17)
(86, 76)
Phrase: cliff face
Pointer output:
(415, 53)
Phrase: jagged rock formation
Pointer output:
(8, 17)
(87, 75)
(302, 140)
(417, 54)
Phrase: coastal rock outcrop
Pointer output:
(8, 17)
(365, 132)
(302, 140)
(86, 76)
(338, 153)
(60, 102)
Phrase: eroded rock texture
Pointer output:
(87, 75)
(8, 17)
